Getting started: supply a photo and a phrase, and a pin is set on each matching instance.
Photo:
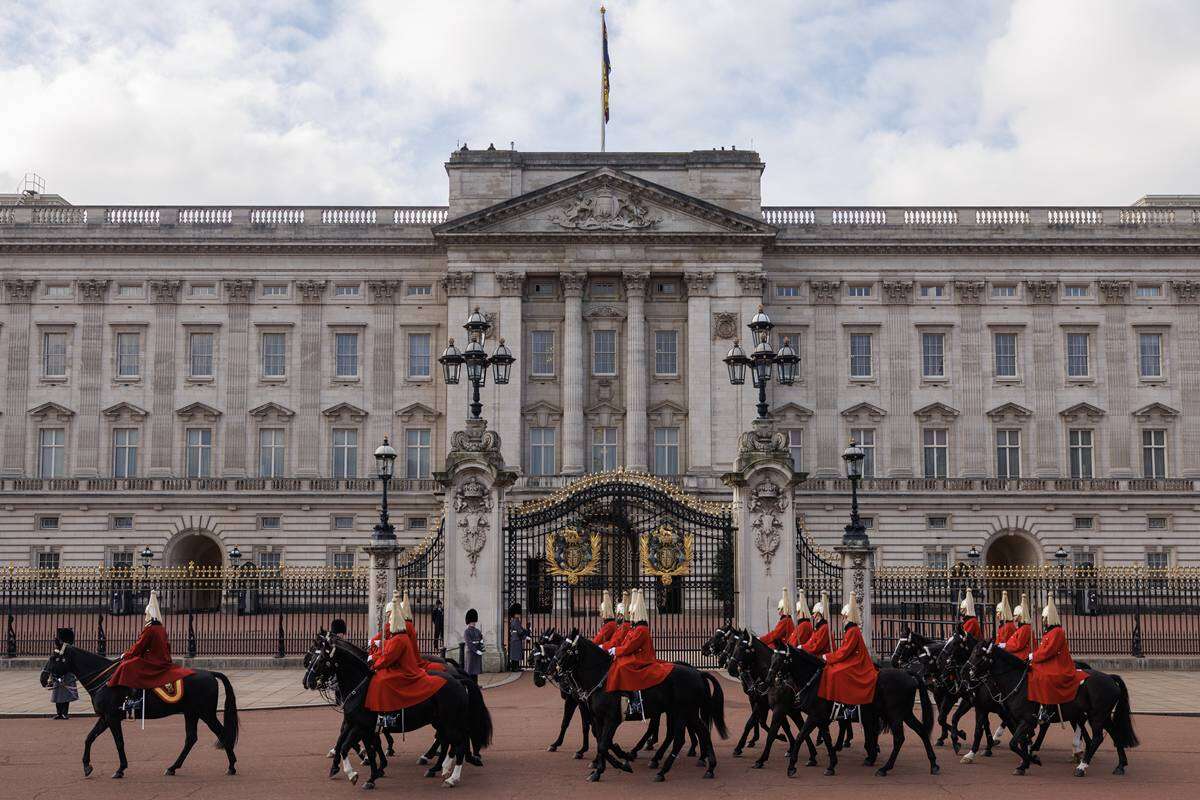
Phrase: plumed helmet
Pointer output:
(639, 609)
(1050, 612)
(1021, 612)
(606, 606)
(472, 616)
(967, 606)
(785, 602)
(802, 611)
(64, 636)
(392, 613)
(153, 610)
(623, 605)
(406, 613)
(1004, 611)
(822, 606)
(851, 611)
(338, 627)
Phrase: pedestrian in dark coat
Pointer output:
(474, 646)
(517, 634)
(63, 691)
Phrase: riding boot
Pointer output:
(635, 713)
(1045, 717)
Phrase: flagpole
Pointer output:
(602, 124)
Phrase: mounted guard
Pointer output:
(804, 627)
(1053, 679)
(849, 676)
(1019, 643)
(819, 642)
(398, 681)
(608, 621)
(782, 631)
(147, 663)
(968, 623)
(623, 627)
(1005, 627)
(635, 667)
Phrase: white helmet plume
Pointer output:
(967, 606)
(851, 611)
(1004, 611)
(802, 611)
(153, 610)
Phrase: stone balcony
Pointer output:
(332, 486)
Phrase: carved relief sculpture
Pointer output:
(1042, 292)
(456, 284)
(572, 283)
(898, 292)
(605, 211)
(1114, 292)
(725, 325)
(165, 291)
(92, 291)
(313, 291)
(698, 283)
(473, 505)
(1186, 291)
(969, 292)
(20, 291)
(825, 292)
(239, 290)
(511, 283)
(767, 504)
(751, 283)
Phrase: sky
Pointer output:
(1033, 102)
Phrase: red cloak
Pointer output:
(971, 625)
(1053, 679)
(801, 633)
(780, 633)
(147, 664)
(1018, 644)
(1006, 630)
(410, 631)
(399, 682)
(605, 633)
(818, 642)
(849, 675)
(618, 636)
(635, 666)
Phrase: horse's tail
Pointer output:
(927, 715)
(479, 725)
(716, 704)
(231, 712)
(1122, 719)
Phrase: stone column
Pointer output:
(972, 424)
(475, 480)
(20, 294)
(698, 344)
(509, 400)
(831, 371)
(1187, 346)
(238, 293)
(636, 446)
(86, 463)
(574, 356)
(458, 301)
(897, 349)
(766, 523)
(751, 284)
(382, 380)
(383, 555)
(1119, 422)
(164, 293)
(308, 382)
(1045, 376)
(858, 563)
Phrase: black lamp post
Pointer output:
(762, 360)
(1060, 557)
(147, 556)
(477, 360)
(855, 534)
(235, 558)
(385, 462)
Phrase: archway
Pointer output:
(1012, 548)
(195, 548)
(197, 589)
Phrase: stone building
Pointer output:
(193, 378)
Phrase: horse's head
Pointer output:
(905, 650)
(311, 654)
(545, 649)
(715, 645)
(780, 664)
(318, 663)
(741, 659)
(980, 662)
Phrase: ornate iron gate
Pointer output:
(818, 571)
(619, 531)
(421, 572)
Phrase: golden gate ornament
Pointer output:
(666, 554)
(569, 554)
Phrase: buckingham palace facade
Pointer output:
(193, 378)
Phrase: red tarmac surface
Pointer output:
(282, 755)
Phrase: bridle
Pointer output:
(567, 681)
(988, 682)
(92, 681)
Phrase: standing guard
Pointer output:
(804, 627)
(969, 623)
(783, 628)
(608, 623)
(147, 663)
(819, 642)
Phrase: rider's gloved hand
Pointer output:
(612, 651)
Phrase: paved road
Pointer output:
(282, 756)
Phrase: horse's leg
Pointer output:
(693, 743)
(374, 749)
(335, 754)
(1032, 749)
(870, 725)
(963, 707)
(802, 737)
(772, 729)
(391, 748)
(218, 730)
(343, 753)
(568, 712)
(897, 729)
(428, 755)
(604, 736)
(585, 726)
(97, 729)
(438, 760)
(189, 739)
(114, 727)
(751, 723)
(1122, 761)
(1020, 745)
(914, 723)
(944, 704)
(1093, 745)
(980, 727)
(675, 735)
(657, 758)
(830, 751)
(708, 752)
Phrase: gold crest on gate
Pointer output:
(666, 554)
(571, 555)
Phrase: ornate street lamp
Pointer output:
(476, 360)
(762, 361)
(235, 556)
(855, 534)
(147, 556)
(385, 464)
(1060, 557)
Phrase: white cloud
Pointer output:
(852, 103)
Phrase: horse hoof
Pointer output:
(881, 773)
(737, 753)
(579, 755)
(552, 748)
(119, 774)
(593, 777)
(812, 762)
(231, 771)
(1079, 773)
(1035, 760)
(829, 771)
(431, 772)
(653, 764)
(474, 761)
(701, 762)
(969, 758)
(956, 747)
(756, 765)
(391, 751)
(1119, 771)
(659, 777)
(170, 771)
(368, 786)
(626, 767)
(333, 773)
(87, 770)
(934, 769)
(709, 774)
(1019, 771)
(791, 772)
(353, 778)
(422, 761)
(987, 753)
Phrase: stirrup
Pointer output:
(131, 706)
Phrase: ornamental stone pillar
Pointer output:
(636, 445)
(1046, 370)
(164, 294)
(238, 293)
(898, 349)
(830, 373)
(1119, 421)
(475, 479)
(572, 371)
(858, 567)
(20, 296)
(974, 444)
(383, 556)
(764, 508)
(698, 344)
(1187, 294)
(91, 297)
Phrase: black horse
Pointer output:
(544, 652)
(692, 700)
(199, 702)
(771, 705)
(1101, 704)
(459, 723)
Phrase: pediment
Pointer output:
(667, 413)
(791, 411)
(125, 409)
(1009, 411)
(1081, 411)
(417, 411)
(51, 410)
(606, 202)
(864, 411)
(934, 412)
(604, 407)
(347, 410)
(541, 414)
(1155, 411)
(197, 411)
(272, 408)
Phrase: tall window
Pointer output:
(1005, 350)
(1154, 453)
(860, 355)
(933, 355)
(129, 355)
(54, 355)
(666, 352)
(345, 453)
(416, 453)
(866, 440)
(541, 347)
(270, 453)
(346, 365)
(199, 452)
(125, 448)
(274, 355)
(418, 355)
(1008, 454)
(666, 451)
(1080, 446)
(541, 451)
(1077, 355)
(604, 449)
(1150, 355)
(604, 352)
(200, 351)
(51, 453)
(937, 452)
(796, 447)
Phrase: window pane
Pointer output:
(604, 352)
(418, 355)
(125, 447)
(1006, 355)
(128, 354)
(665, 359)
(541, 451)
(274, 354)
(1150, 355)
(347, 355)
(933, 355)
(860, 355)
(54, 354)
(666, 451)
(1081, 454)
(201, 346)
(270, 446)
(345, 453)
(51, 452)
(866, 440)
(542, 349)
(416, 453)
(1008, 454)
(199, 452)
(936, 455)
(796, 447)
(1077, 355)
(604, 449)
